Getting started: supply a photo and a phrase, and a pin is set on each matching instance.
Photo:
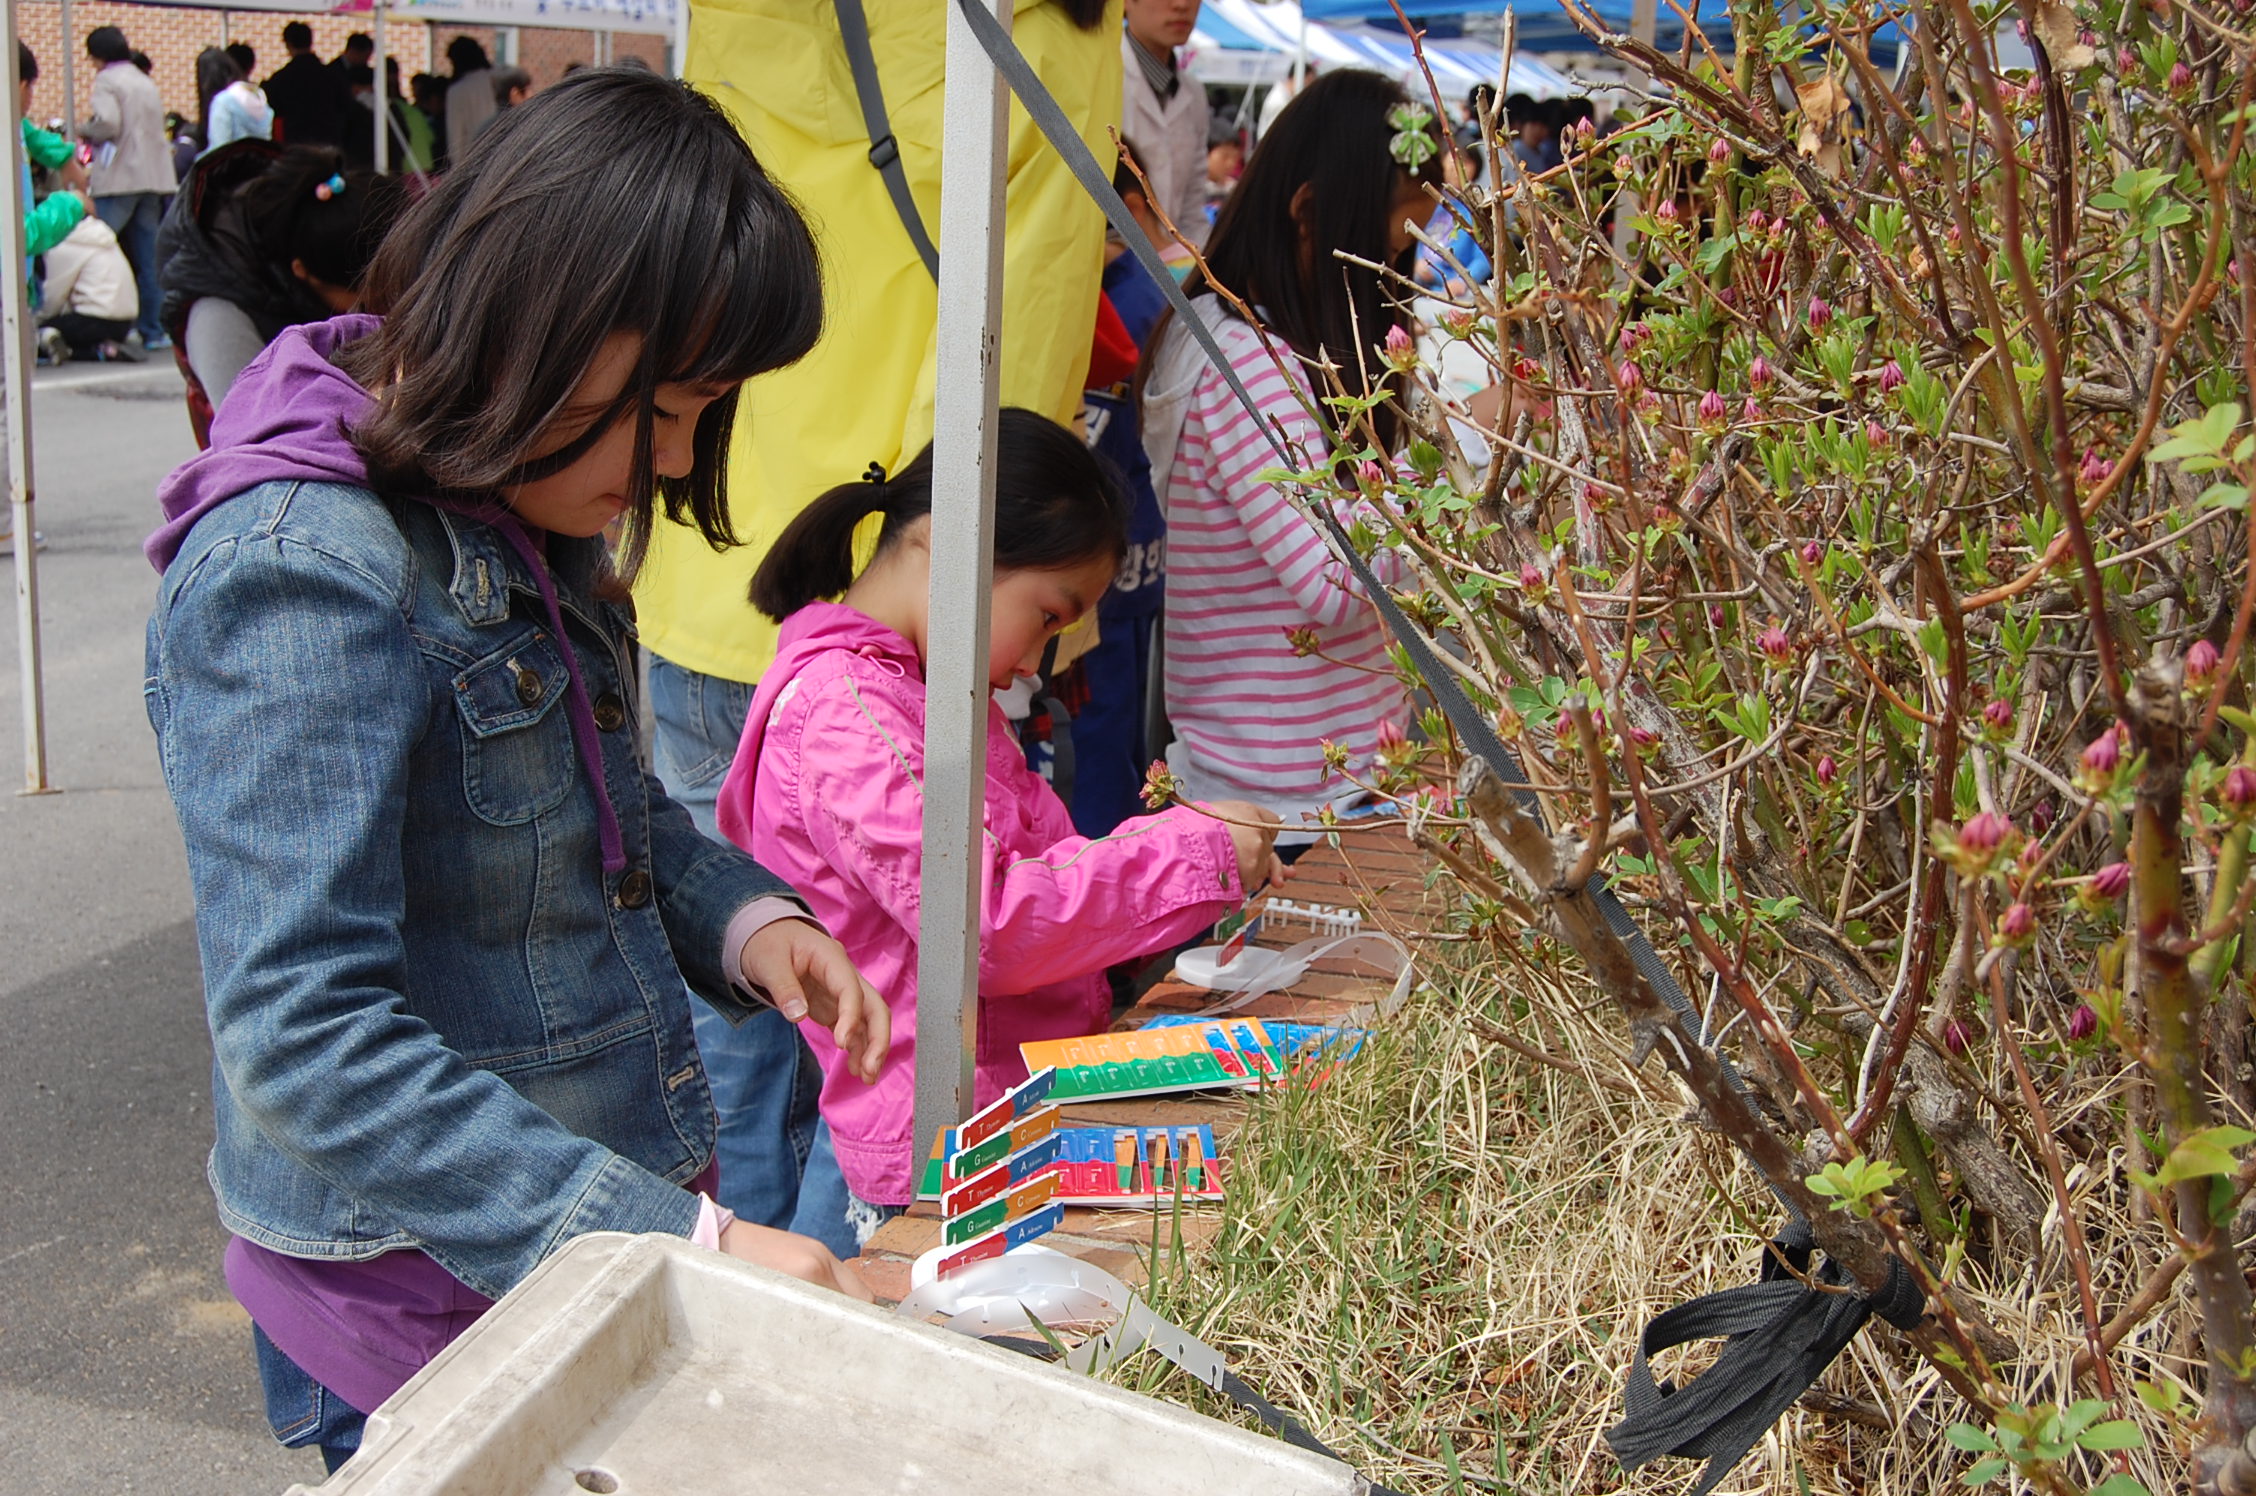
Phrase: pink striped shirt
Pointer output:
(1244, 567)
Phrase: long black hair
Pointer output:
(1334, 139)
(215, 73)
(500, 288)
(1056, 505)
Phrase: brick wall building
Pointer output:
(172, 36)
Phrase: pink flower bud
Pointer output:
(1828, 772)
(2041, 817)
(1891, 377)
(1956, 1036)
(2095, 468)
(1998, 715)
(2181, 77)
(2201, 663)
(2113, 880)
(1631, 377)
(1715, 614)
(1665, 211)
(1712, 408)
(1819, 314)
(1531, 576)
(1729, 295)
(2018, 925)
(2126, 61)
(1397, 339)
(2232, 267)
(2083, 1023)
(2240, 787)
(1984, 834)
(1644, 737)
(2103, 753)
(1755, 220)
(1775, 645)
(1370, 474)
(1720, 151)
(1876, 436)
(1759, 373)
(1584, 127)
(1391, 734)
(1812, 552)
(1635, 336)
(1563, 729)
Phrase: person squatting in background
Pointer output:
(1271, 647)
(258, 240)
(827, 791)
(449, 926)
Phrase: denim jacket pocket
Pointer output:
(516, 740)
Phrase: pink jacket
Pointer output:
(826, 792)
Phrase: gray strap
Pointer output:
(884, 151)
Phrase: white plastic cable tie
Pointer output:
(1033, 1283)
(1256, 972)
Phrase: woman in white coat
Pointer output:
(88, 300)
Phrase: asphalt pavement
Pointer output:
(125, 1366)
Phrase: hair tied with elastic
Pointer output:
(334, 187)
(874, 473)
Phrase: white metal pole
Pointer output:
(1300, 57)
(70, 75)
(15, 331)
(680, 39)
(382, 109)
(964, 420)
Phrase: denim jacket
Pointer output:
(436, 1022)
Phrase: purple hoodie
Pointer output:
(285, 419)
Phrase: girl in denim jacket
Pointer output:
(827, 789)
(446, 918)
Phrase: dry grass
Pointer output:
(1440, 1259)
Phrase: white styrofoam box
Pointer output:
(644, 1366)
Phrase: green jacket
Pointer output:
(50, 223)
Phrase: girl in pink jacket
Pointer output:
(827, 790)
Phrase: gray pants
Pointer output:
(220, 339)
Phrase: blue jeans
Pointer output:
(765, 1080)
(133, 217)
(301, 1411)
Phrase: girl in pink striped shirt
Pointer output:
(1248, 571)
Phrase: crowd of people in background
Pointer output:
(436, 493)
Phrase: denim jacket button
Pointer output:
(610, 712)
(529, 687)
(634, 889)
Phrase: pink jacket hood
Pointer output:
(827, 792)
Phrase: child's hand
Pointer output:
(801, 1257)
(806, 974)
(1253, 832)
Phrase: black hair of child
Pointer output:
(1057, 504)
(501, 287)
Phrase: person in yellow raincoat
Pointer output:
(863, 396)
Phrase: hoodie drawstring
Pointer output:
(576, 706)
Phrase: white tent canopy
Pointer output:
(1259, 41)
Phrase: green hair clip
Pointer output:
(1413, 144)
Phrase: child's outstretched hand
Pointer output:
(801, 1257)
(1253, 834)
(806, 974)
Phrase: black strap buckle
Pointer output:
(884, 152)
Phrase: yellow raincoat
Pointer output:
(865, 394)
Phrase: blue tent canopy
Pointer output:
(1542, 25)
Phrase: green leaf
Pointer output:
(1712, 252)
(2120, 1484)
(1984, 1472)
(2116, 1433)
(2206, 1152)
(1966, 1436)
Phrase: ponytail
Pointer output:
(1056, 504)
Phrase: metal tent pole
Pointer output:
(973, 138)
(679, 41)
(15, 333)
(70, 76)
(382, 105)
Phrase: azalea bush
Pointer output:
(1859, 565)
